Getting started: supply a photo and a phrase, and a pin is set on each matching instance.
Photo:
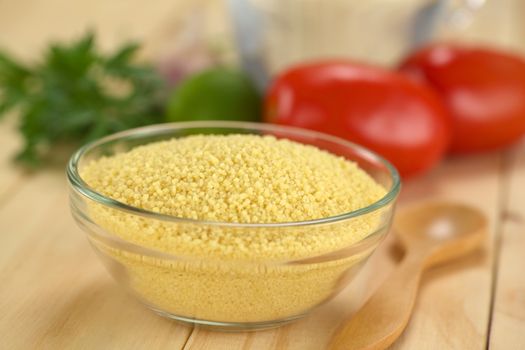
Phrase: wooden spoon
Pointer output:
(432, 234)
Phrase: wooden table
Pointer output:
(56, 295)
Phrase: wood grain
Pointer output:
(508, 320)
(454, 302)
(54, 292)
(10, 176)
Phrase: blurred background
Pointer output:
(28, 25)
(258, 40)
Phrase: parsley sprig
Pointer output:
(77, 94)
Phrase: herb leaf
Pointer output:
(77, 94)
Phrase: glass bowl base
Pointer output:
(227, 326)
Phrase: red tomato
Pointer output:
(484, 91)
(382, 110)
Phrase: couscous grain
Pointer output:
(233, 273)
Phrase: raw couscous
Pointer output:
(233, 273)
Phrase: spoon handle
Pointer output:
(385, 315)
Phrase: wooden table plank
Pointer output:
(453, 309)
(508, 324)
(55, 293)
(10, 177)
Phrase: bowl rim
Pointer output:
(84, 189)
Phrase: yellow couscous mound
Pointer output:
(246, 275)
(235, 178)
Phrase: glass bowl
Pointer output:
(215, 290)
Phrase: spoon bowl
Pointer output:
(441, 230)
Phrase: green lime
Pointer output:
(215, 94)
